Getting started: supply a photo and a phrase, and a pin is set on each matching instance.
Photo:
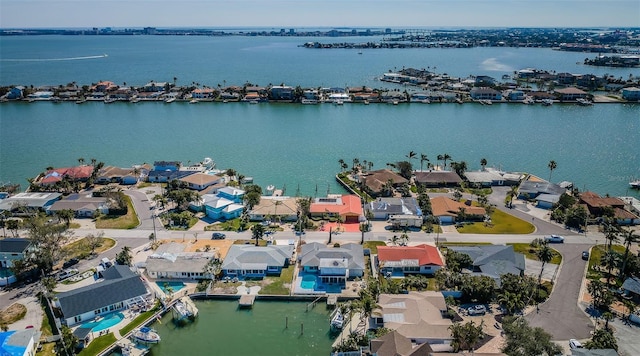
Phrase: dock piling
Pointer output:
(301, 328)
(286, 322)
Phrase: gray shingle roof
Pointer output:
(632, 285)
(256, 257)
(119, 284)
(494, 260)
(14, 245)
(312, 254)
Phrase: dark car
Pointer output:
(71, 262)
(218, 236)
(585, 255)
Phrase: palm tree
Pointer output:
(394, 240)
(611, 234)
(445, 158)
(629, 237)
(81, 161)
(342, 164)
(483, 163)
(610, 260)
(423, 158)
(439, 158)
(513, 192)
(411, 155)
(257, 232)
(552, 165)
(545, 255)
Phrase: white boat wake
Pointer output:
(492, 64)
(52, 59)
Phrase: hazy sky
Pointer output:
(319, 13)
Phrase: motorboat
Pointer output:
(183, 311)
(169, 100)
(528, 101)
(547, 102)
(109, 100)
(134, 99)
(635, 184)
(309, 101)
(337, 320)
(253, 102)
(583, 102)
(81, 101)
(146, 335)
(366, 102)
(193, 101)
(338, 102)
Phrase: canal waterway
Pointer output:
(269, 328)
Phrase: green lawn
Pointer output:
(139, 320)
(80, 249)
(594, 260)
(128, 221)
(98, 345)
(530, 252)
(373, 246)
(278, 285)
(503, 223)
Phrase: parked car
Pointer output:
(477, 310)
(554, 239)
(71, 262)
(66, 274)
(575, 344)
(585, 255)
(218, 236)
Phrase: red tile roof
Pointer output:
(594, 200)
(350, 206)
(425, 254)
(75, 173)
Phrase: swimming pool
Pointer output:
(108, 321)
(175, 286)
(308, 281)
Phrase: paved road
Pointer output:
(560, 315)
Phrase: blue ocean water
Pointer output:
(290, 145)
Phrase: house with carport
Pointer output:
(493, 260)
(347, 207)
(119, 289)
(250, 261)
(399, 261)
(383, 208)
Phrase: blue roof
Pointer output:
(6, 348)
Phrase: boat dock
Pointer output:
(130, 348)
(332, 300)
(184, 308)
(247, 300)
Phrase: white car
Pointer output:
(554, 239)
(477, 310)
(575, 344)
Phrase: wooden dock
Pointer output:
(247, 300)
(130, 348)
(332, 300)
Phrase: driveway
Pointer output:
(142, 206)
(627, 335)
(560, 315)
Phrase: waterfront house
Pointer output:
(231, 96)
(83, 206)
(111, 174)
(165, 176)
(73, 174)
(432, 179)
(249, 261)
(392, 97)
(399, 261)
(547, 201)
(484, 81)
(281, 92)
(533, 186)
(119, 289)
(348, 207)
(104, 86)
(234, 194)
(490, 177)
(448, 211)
(26, 203)
(19, 342)
(15, 93)
(203, 93)
(570, 94)
(493, 260)
(200, 181)
(565, 78)
(599, 206)
(515, 95)
(332, 265)
(374, 181)
(274, 208)
(311, 94)
(631, 94)
(41, 95)
(155, 87)
(172, 262)
(383, 208)
(419, 316)
(14, 249)
(484, 93)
